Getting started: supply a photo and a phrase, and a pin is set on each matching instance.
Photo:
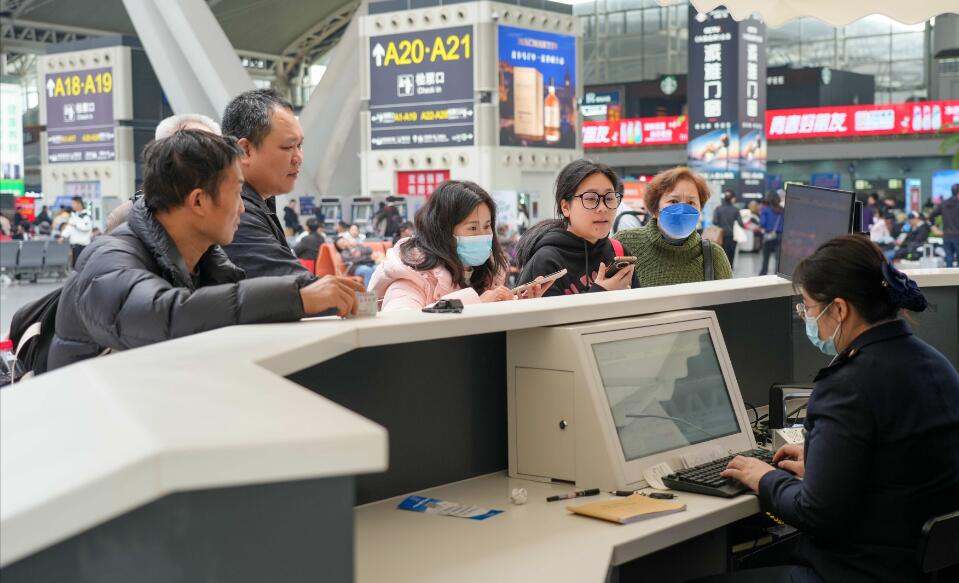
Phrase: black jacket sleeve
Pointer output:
(123, 305)
(838, 453)
(544, 262)
(256, 250)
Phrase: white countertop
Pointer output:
(538, 541)
(86, 443)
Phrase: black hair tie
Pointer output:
(903, 291)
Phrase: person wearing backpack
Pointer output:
(164, 275)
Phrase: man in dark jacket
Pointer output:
(163, 275)
(949, 210)
(918, 234)
(309, 246)
(272, 141)
(725, 217)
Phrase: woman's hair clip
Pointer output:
(903, 291)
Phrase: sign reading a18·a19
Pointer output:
(421, 89)
(80, 124)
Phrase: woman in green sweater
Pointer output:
(668, 249)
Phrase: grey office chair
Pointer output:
(939, 545)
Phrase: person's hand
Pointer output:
(790, 458)
(747, 470)
(622, 279)
(535, 290)
(331, 292)
(496, 294)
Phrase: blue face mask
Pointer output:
(678, 221)
(475, 250)
(827, 346)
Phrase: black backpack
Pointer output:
(32, 330)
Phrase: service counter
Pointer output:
(206, 453)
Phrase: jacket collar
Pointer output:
(887, 331)
(214, 266)
(249, 194)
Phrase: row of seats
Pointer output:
(34, 258)
(330, 262)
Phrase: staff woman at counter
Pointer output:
(881, 453)
(668, 249)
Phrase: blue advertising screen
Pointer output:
(537, 88)
(942, 181)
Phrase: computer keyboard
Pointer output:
(705, 478)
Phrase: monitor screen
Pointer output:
(812, 217)
(665, 391)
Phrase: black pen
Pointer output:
(656, 495)
(580, 494)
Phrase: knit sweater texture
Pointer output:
(659, 262)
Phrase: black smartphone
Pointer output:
(618, 264)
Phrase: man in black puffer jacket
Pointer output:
(163, 275)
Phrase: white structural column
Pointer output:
(331, 123)
(191, 56)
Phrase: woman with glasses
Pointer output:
(587, 196)
(881, 453)
(668, 249)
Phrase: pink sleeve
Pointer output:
(467, 295)
(403, 294)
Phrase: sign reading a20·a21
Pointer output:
(421, 89)
(80, 124)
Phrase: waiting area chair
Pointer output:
(34, 259)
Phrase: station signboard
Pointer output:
(421, 89)
(80, 122)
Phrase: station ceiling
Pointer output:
(264, 26)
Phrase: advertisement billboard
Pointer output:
(537, 88)
(602, 105)
(726, 93)
(942, 181)
(628, 133)
(11, 139)
(80, 124)
(420, 182)
(863, 120)
(421, 89)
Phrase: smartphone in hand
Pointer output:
(618, 264)
(542, 280)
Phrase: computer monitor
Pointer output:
(632, 393)
(812, 216)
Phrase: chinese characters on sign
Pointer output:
(863, 120)
(625, 133)
(537, 88)
(421, 89)
(80, 124)
(11, 139)
(727, 99)
(420, 182)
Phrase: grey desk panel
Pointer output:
(442, 401)
(288, 532)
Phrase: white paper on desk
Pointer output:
(444, 508)
(654, 475)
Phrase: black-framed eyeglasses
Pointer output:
(591, 199)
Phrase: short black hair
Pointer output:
(955, 189)
(173, 167)
(78, 199)
(248, 115)
(312, 225)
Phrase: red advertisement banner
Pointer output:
(420, 182)
(628, 133)
(927, 117)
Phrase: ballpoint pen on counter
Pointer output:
(657, 495)
(571, 495)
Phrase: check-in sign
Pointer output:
(421, 89)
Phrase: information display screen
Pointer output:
(80, 123)
(812, 217)
(421, 89)
(665, 392)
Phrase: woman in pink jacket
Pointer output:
(453, 255)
